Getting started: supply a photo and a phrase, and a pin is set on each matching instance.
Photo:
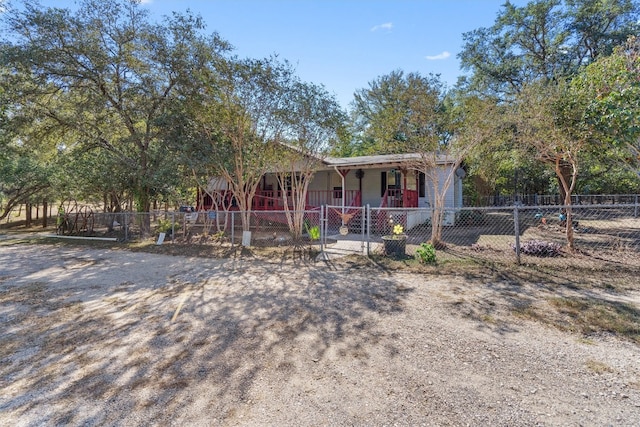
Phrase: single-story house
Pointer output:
(381, 181)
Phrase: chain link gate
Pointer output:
(344, 229)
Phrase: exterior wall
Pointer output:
(322, 181)
(370, 187)
(450, 198)
(417, 217)
(328, 180)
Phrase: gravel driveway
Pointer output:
(110, 337)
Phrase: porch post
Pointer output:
(405, 195)
(342, 176)
(343, 197)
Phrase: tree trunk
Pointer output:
(28, 212)
(563, 172)
(143, 205)
(45, 213)
(567, 186)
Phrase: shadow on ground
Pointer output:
(81, 340)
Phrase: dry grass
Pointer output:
(542, 281)
(598, 367)
(591, 315)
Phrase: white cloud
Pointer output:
(443, 55)
(146, 1)
(386, 26)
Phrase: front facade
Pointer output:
(382, 181)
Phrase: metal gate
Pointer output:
(344, 229)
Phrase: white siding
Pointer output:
(327, 180)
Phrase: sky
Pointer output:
(343, 45)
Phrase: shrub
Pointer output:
(314, 232)
(426, 253)
(540, 248)
(166, 226)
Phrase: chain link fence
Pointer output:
(532, 235)
(520, 234)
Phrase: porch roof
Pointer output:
(380, 160)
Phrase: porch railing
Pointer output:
(399, 198)
(267, 200)
(273, 199)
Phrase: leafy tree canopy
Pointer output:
(544, 40)
(105, 76)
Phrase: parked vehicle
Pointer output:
(190, 213)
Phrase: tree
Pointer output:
(549, 119)
(313, 120)
(397, 111)
(22, 178)
(232, 123)
(411, 114)
(544, 40)
(103, 76)
(25, 169)
(611, 88)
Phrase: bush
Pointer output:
(426, 253)
(166, 226)
(540, 248)
(314, 232)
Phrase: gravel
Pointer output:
(110, 337)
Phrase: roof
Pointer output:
(380, 160)
(364, 162)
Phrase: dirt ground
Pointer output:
(97, 336)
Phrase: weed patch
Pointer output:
(598, 367)
(591, 315)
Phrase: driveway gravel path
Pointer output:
(112, 337)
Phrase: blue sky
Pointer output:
(343, 44)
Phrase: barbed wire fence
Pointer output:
(515, 234)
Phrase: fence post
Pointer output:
(173, 227)
(368, 229)
(233, 228)
(516, 226)
(125, 223)
(320, 223)
(635, 211)
(362, 230)
(326, 223)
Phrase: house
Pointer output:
(380, 181)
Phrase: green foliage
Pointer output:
(137, 109)
(426, 253)
(542, 43)
(103, 76)
(22, 178)
(166, 226)
(314, 232)
(544, 40)
(611, 90)
(399, 113)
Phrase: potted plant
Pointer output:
(395, 243)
